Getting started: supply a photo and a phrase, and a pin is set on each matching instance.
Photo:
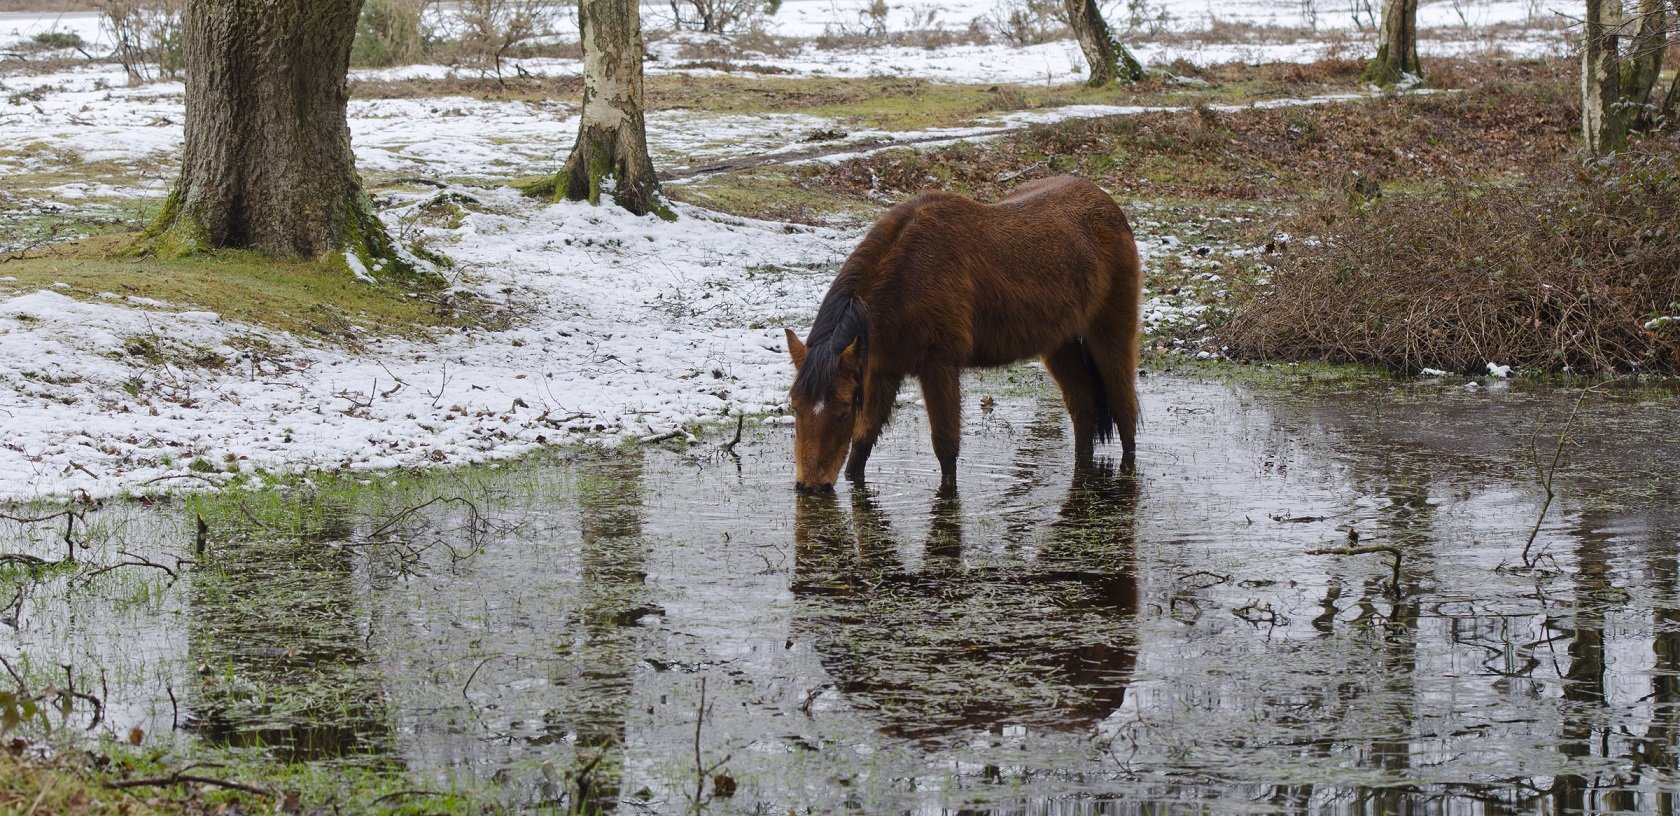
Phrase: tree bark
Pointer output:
(266, 163)
(611, 153)
(1397, 53)
(1644, 62)
(1110, 61)
(1604, 121)
(1671, 101)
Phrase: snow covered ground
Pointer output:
(641, 327)
(634, 326)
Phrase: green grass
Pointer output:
(876, 103)
(306, 298)
(772, 192)
(76, 783)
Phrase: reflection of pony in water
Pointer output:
(943, 283)
(1042, 642)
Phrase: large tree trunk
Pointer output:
(1110, 61)
(1604, 120)
(1397, 53)
(266, 163)
(612, 138)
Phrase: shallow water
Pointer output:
(1038, 641)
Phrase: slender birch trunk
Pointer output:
(611, 153)
(1110, 61)
(1604, 120)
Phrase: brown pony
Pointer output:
(943, 283)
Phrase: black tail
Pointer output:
(1105, 424)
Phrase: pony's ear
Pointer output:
(796, 349)
(846, 372)
(849, 359)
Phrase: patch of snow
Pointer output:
(357, 268)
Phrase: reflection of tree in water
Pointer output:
(1411, 734)
(602, 633)
(1656, 750)
(276, 630)
(1585, 731)
(1386, 618)
(1045, 643)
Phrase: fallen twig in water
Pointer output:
(180, 778)
(720, 782)
(69, 515)
(137, 561)
(64, 695)
(402, 794)
(476, 522)
(729, 447)
(1367, 550)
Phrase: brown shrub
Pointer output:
(1254, 153)
(1572, 269)
(745, 45)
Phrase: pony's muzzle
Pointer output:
(813, 488)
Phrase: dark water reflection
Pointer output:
(275, 636)
(1042, 641)
(1038, 641)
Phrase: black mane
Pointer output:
(840, 321)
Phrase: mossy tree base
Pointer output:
(1385, 71)
(355, 242)
(266, 162)
(613, 161)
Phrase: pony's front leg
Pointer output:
(879, 393)
(942, 390)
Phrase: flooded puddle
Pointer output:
(662, 629)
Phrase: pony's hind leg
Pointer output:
(942, 390)
(1113, 345)
(879, 393)
(1068, 366)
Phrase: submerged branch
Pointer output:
(180, 778)
(1368, 550)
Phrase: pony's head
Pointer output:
(825, 395)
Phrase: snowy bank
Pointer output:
(634, 326)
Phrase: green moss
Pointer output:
(172, 234)
(303, 297)
(546, 187)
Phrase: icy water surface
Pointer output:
(1037, 641)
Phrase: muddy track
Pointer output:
(865, 147)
